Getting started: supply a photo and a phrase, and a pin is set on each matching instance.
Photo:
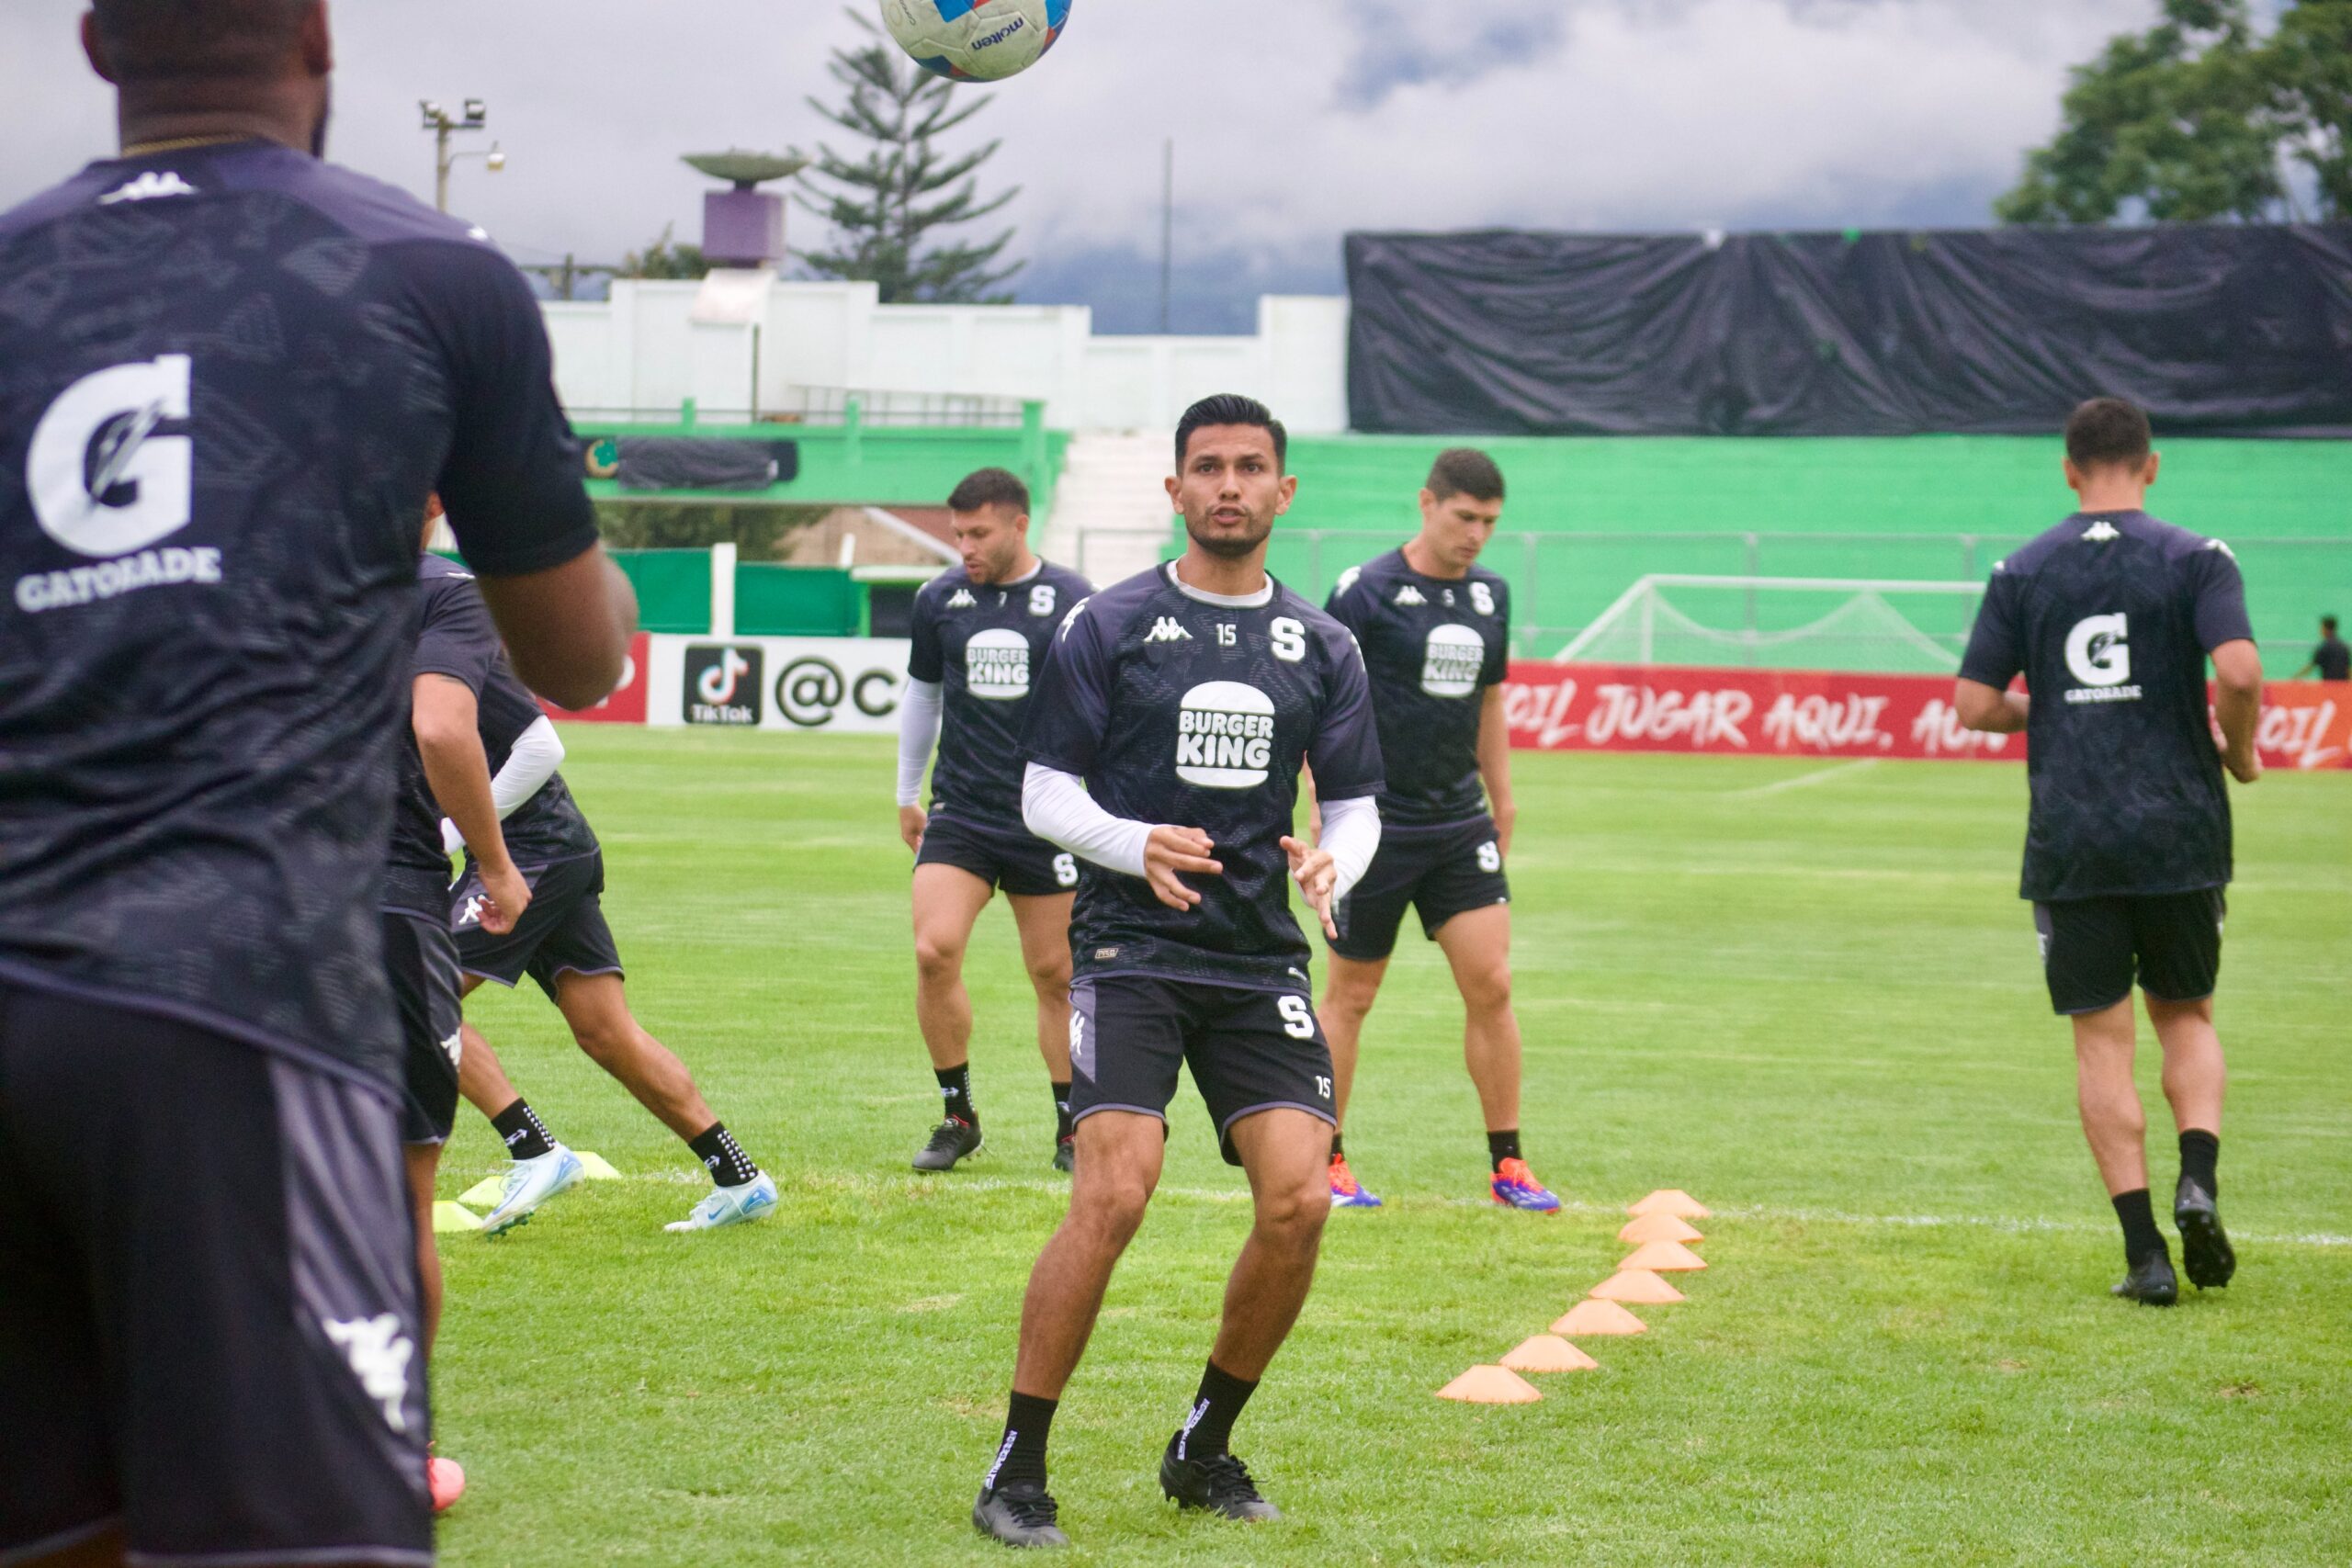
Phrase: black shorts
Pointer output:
(1015, 859)
(1250, 1051)
(2092, 949)
(563, 928)
(207, 1299)
(421, 960)
(1441, 872)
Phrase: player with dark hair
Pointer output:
(210, 480)
(2331, 660)
(562, 942)
(980, 635)
(1435, 629)
(1164, 749)
(2110, 617)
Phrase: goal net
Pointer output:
(1784, 623)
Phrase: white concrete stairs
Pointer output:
(1111, 516)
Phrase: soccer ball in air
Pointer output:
(976, 40)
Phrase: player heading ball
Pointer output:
(1164, 748)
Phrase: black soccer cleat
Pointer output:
(2151, 1283)
(952, 1141)
(1066, 1156)
(2205, 1250)
(1019, 1513)
(1219, 1483)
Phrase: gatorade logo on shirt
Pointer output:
(1224, 735)
(996, 665)
(1451, 665)
(2099, 656)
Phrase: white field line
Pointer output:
(684, 1176)
(1819, 775)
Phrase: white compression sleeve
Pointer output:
(530, 763)
(1055, 807)
(918, 732)
(1352, 832)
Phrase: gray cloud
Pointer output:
(1295, 120)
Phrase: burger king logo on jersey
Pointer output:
(1224, 735)
(996, 665)
(1451, 666)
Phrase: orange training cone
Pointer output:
(1600, 1317)
(1660, 1227)
(1670, 1200)
(1490, 1385)
(1665, 1257)
(1549, 1353)
(1636, 1285)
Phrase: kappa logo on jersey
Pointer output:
(1224, 735)
(2098, 655)
(722, 685)
(2101, 532)
(961, 600)
(1451, 666)
(1167, 628)
(380, 1354)
(996, 665)
(454, 1048)
(469, 912)
(1408, 594)
(147, 187)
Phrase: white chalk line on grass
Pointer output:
(1820, 775)
(960, 1184)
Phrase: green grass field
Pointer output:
(1817, 1009)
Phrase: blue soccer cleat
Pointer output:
(1515, 1187)
(1347, 1192)
(530, 1183)
(731, 1205)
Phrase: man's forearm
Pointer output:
(2238, 710)
(457, 772)
(1055, 807)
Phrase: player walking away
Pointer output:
(2331, 660)
(561, 940)
(210, 477)
(1186, 699)
(980, 633)
(1435, 629)
(2110, 616)
(441, 767)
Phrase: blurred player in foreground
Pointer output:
(231, 377)
(981, 635)
(1164, 748)
(2110, 617)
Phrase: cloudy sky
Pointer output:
(1294, 120)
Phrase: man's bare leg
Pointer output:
(595, 1007)
(422, 1162)
(1348, 994)
(1281, 1150)
(1476, 943)
(2195, 1079)
(947, 900)
(2116, 1125)
(1044, 923)
(1119, 1156)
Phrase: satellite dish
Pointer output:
(745, 170)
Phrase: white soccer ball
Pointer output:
(976, 40)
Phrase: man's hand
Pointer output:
(2246, 768)
(912, 822)
(1317, 875)
(1172, 849)
(509, 896)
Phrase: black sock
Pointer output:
(956, 1091)
(1022, 1455)
(723, 1156)
(1209, 1428)
(519, 1127)
(1063, 1127)
(1501, 1147)
(2198, 1152)
(1338, 1150)
(2141, 1238)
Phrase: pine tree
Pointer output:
(887, 207)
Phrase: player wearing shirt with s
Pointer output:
(1164, 748)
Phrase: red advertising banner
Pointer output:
(1788, 713)
(627, 704)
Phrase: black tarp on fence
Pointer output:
(2219, 328)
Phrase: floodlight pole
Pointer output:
(474, 115)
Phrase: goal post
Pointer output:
(1884, 624)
